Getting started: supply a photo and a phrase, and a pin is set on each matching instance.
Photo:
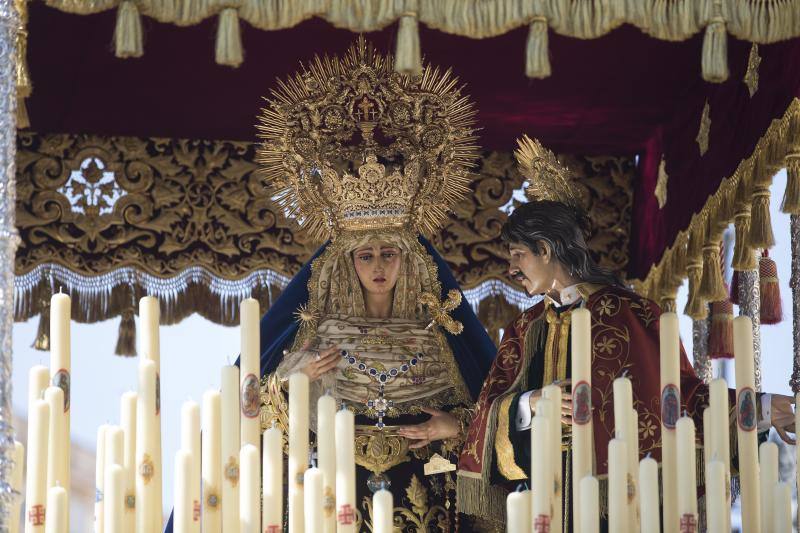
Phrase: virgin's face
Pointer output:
(377, 265)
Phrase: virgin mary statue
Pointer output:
(370, 159)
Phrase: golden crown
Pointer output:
(350, 144)
(547, 178)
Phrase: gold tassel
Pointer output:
(761, 235)
(229, 40)
(743, 256)
(128, 33)
(537, 51)
(126, 339)
(696, 307)
(715, 51)
(42, 340)
(22, 114)
(791, 198)
(408, 55)
(694, 249)
(712, 287)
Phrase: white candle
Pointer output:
(128, 422)
(383, 509)
(746, 423)
(345, 471)
(541, 465)
(618, 514)
(56, 510)
(632, 439)
(16, 484)
(60, 376)
(553, 393)
(717, 508)
(298, 448)
(113, 508)
(687, 476)
(250, 496)
(184, 507)
(588, 521)
(312, 499)
(782, 507)
(100, 479)
(518, 512)
(249, 362)
(211, 463)
(36, 479)
(648, 490)
(230, 448)
(719, 432)
(670, 411)
(56, 456)
(623, 405)
(190, 442)
(272, 481)
(326, 455)
(582, 442)
(768, 469)
(38, 381)
(115, 443)
(150, 349)
(147, 465)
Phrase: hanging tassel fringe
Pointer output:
(126, 339)
(720, 337)
(733, 294)
(696, 307)
(537, 52)
(791, 198)
(715, 51)
(408, 55)
(761, 236)
(712, 287)
(23, 121)
(771, 307)
(229, 40)
(128, 33)
(42, 340)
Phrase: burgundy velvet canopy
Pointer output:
(621, 94)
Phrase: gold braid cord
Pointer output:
(349, 144)
(439, 311)
(549, 179)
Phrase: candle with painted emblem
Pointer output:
(249, 505)
(231, 447)
(56, 510)
(114, 497)
(541, 466)
(687, 475)
(190, 442)
(553, 393)
(60, 376)
(147, 465)
(184, 507)
(345, 471)
(100, 480)
(746, 423)
(36, 478)
(16, 484)
(250, 372)
(648, 492)
(518, 512)
(582, 451)
(211, 463)
(588, 519)
(272, 481)
(326, 455)
(150, 349)
(670, 342)
(298, 448)
(128, 423)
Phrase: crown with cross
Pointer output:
(349, 144)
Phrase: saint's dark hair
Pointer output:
(563, 228)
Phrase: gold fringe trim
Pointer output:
(229, 40)
(712, 287)
(537, 51)
(479, 498)
(695, 306)
(761, 235)
(715, 51)
(408, 56)
(128, 33)
(791, 197)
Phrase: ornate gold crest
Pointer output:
(232, 470)
(349, 144)
(548, 179)
(146, 468)
(328, 502)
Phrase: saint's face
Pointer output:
(533, 271)
(377, 265)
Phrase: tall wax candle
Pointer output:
(184, 507)
(632, 439)
(115, 445)
(670, 412)
(100, 480)
(345, 471)
(312, 499)
(231, 446)
(518, 512)
(113, 507)
(383, 509)
(717, 507)
(541, 465)
(720, 431)
(38, 381)
(60, 376)
(16, 484)
(128, 422)
(553, 393)
(211, 463)
(150, 349)
(768, 470)
(687, 476)
(326, 456)
(250, 372)
(272, 481)
(298, 449)
(36, 478)
(746, 423)
(190, 442)
(618, 514)
(249, 505)
(56, 455)
(147, 465)
(582, 442)
(56, 511)
(588, 519)
(782, 507)
(648, 495)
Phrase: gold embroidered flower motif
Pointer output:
(606, 307)
(646, 428)
(606, 345)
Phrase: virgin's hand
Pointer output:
(783, 416)
(440, 426)
(324, 361)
